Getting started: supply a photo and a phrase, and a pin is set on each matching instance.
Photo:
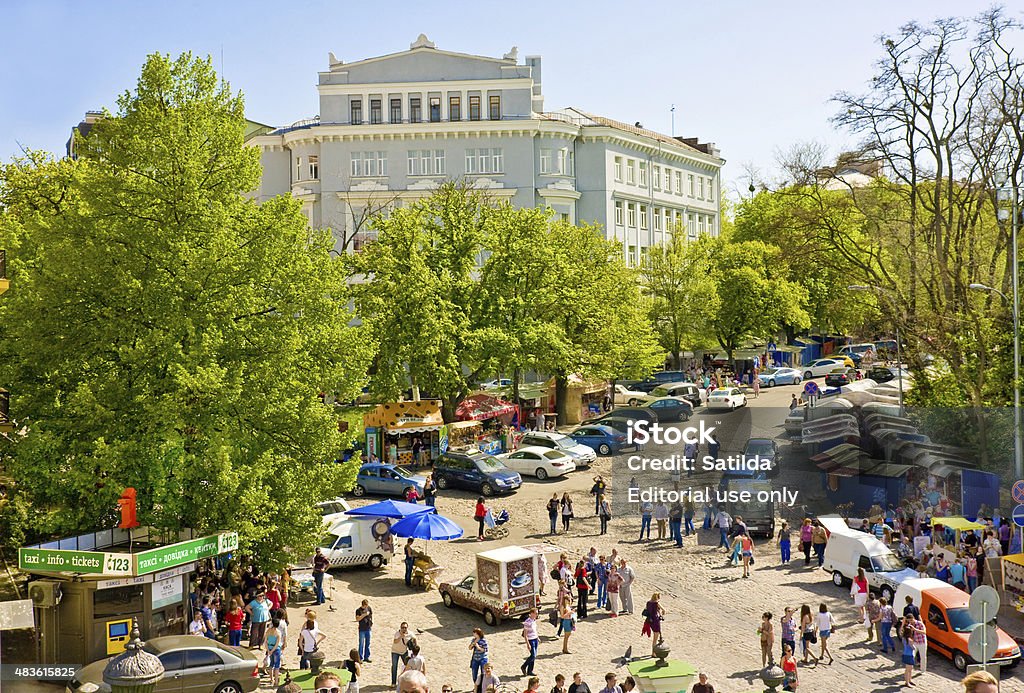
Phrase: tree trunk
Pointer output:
(516, 376)
(561, 395)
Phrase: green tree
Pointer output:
(168, 334)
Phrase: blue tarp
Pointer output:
(977, 488)
(865, 490)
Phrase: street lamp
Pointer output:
(1018, 444)
(899, 359)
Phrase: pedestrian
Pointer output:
(646, 511)
(958, 574)
(614, 585)
(479, 513)
(675, 523)
(415, 661)
(661, 515)
(736, 551)
(767, 635)
(487, 679)
(320, 566)
(793, 404)
(568, 625)
(747, 546)
(210, 618)
(688, 512)
(907, 636)
(826, 624)
(784, 538)
(310, 638)
(885, 621)
(872, 617)
(417, 448)
(596, 490)
(399, 650)
(532, 641)
(234, 618)
(327, 681)
(543, 564)
(364, 625)
(605, 513)
(478, 654)
(626, 588)
(566, 505)
(578, 685)
(714, 446)
(628, 684)
(197, 626)
(412, 495)
(553, 506)
(791, 680)
(582, 590)
(351, 665)
(709, 511)
(980, 682)
(972, 573)
(601, 571)
(757, 387)
(532, 685)
(430, 490)
(410, 561)
(1004, 537)
(859, 592)
(788, 624)
(259, 616)
(724, 522)
(559, 686)
(610, 684)
(702, 685)
(819, 538)
(920, 640)
(808, 636)
(806, 535)
(653, 615)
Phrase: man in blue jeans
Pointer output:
(399, 650)
(723, 523)
(646, 510)
(364, 619)
(675, 523)
(320, 566)
(410, 560)
(531, 640)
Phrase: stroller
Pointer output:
(493, 524)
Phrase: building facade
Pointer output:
(393, 128)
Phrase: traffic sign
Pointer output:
(810, 388)
(1018, 516)
(1018, 491)
(984, 605)
(982, 643)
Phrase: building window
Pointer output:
(439, 167)
(369, 164)
(667, 185)
(711, 226)
(494, 107)
(435, 109)
(631, 214)
(630, 171)
(711, 189)
(618, 169)
(314, 167)
(474, 108)
(454, 108)
(396, 110)
(631, 257)
(679, 182)
(485, 160)
(415, 110)
(700, 224)
(643, 174)
(689, 180)
(375, 111)
(298, 168)
(567, 161)
(618, 213)
(700, 188)
(656, 213)
(656, 177)
(357, 112)
(643, 217)
(668, 219)
(691, 227)
(425, 162)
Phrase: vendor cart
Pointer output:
(425, 572)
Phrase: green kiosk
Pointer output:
(88, 589)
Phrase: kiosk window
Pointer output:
(202, 658)
(173, 661)
(117, 601)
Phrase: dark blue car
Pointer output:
(603, 439)
(475, 471)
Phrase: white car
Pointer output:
(727, 398)
(820, 367)
(333, 510)
(542, 463)
(625, 396)
(496, 384)
(583, 455)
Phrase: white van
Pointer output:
(849, 549)
(358, 541)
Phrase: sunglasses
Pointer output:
(332, 689)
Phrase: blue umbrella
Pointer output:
(391, 508)
(427, 526)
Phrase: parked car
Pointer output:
(881, 374)
(688, 391)
(475, 471)
(582, 454)
(617, 424)
(820, 367)
(190, 664)
(640, 413)
(542, 463)
(838, 377)
(766, 449)
(727, 398)
(857, 352)
(496, 384)
(886, 348)
(387, 480)
(333, 509)
(779, 376)
(626, 395)
(670, 408)
(604, 439)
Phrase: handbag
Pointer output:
(751, 559)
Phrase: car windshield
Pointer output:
(405, 471)
(886, 563)
(565, 442)
(762, 448)
(488, 464)
(961, 620)
(770, 371)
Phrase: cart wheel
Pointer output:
(501, 532)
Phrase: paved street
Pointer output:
(712, 614)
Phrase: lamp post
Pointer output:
(899, 358)
(1018, 444)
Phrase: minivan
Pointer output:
(475, 471)
(849, 549)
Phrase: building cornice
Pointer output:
(384, 88)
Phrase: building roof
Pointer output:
(585, 119)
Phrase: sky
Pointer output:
(753, 77)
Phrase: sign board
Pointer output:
(16, 614)
(143, 579)
(167, 592)
(982, 643)
(811, 388)
(83, 562)
(173, 555)
(1018, 491)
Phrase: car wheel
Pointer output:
(489, 618)
(604, 449)
(541, 473)
(808, 375)
(358, 491)
(376, 561)
(229, 687)
(771, 383)
(442, 482)
(684, 415)
(797, 381)
(887, 594)
(446, 597)
(486, 489)
(960, 660)
(633, 402)
(837, 578)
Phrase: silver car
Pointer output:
(584, 456)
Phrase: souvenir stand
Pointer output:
(485, 423)
(393, 428)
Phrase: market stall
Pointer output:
(584, 398)
(1013, 579)
(485, 423)
(395, 429)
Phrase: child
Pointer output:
(352, 665)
